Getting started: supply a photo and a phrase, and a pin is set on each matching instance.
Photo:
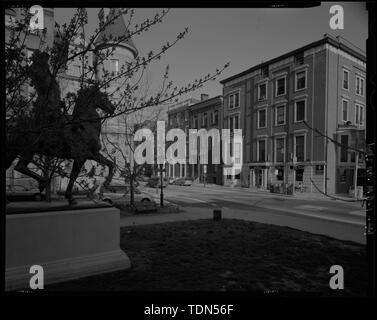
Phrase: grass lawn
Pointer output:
(230, 255)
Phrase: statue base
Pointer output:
(68, 242)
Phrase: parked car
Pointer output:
(171, 180)
(75, 192)
(154, 182)
(183, 182)
(22, 193)
(119, 195)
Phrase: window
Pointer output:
(343, 148)
(345, 79)
(264, 72)
(279, 149)
(299, 58)
(359, 86)
(195, 122)
(215, 117)
(300, 108)
(262, 91)
(77, 69)
(262, 118)
(205, 119)
(300, 148)
(114, 65)
(280, 86)
(344, 110)
(299, 175)
(261, 152)
(359, 114)
(319, 169)
(234, 122)
(280, 175)
(237, 153)
(300, 80)
(280, 115)
(234, 100)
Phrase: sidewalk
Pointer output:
(297, 195)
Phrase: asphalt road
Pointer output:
(338, 219)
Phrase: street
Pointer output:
(334, 218)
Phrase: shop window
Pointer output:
(280, 175)
(299, 175)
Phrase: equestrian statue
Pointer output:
(50, 131)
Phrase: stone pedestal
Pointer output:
(69, 243)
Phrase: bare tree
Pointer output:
(71, 44)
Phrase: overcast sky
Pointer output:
(243, 36)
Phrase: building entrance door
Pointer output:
(259, 178)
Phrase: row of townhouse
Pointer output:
(286, 106)
(197, 114)
(299, 114)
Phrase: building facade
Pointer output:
(197, 114)
(290, 107)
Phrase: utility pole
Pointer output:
(355, 174)
(204, 174)
(294, 160)
(285, 170)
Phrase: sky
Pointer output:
(242, 36)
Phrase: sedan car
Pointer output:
(183, 182)
(22, 193)
(154, 182)
(118, 196)
(171, 180)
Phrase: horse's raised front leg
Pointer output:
(110, 164)
(77, 165)
(22, 168)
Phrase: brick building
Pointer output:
(323, 84)
(197, 114)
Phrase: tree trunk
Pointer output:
(132, 191)
(48, 177)
(48, 191)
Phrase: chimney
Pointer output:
(203, 96)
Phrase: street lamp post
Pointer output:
(161, 169)
(204, 174)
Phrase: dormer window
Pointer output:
(299, 59)
(264, 72)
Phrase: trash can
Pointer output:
(216, 214)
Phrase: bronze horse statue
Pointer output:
(57, 135)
